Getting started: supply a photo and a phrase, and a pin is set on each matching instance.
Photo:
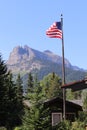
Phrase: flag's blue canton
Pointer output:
(55, 30)
(58, 24)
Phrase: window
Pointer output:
(70, 116)
(56, 118)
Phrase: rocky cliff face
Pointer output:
(20, 54)
(27, 59)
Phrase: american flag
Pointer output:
(55, 31)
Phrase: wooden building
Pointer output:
(56, 107)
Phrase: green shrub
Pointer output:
(2, 128)
(18, 128)
(64, 125)
(77, 125)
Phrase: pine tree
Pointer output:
(3, 90)
(52, 85)
(30, 86)
(7, 98)
(11, 102)
(36, 117)
(19, 96)
(9, 114)
(30, 80)
(19, 88)
(14, 106)
(30, 83)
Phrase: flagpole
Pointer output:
(63, 71)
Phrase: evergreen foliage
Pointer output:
(19, 88)
(52, 86)
(11, 111)
(77, 125)
(30, 87)
(9, 104)
(30, 83)
(13, 106)
(73, 95)
(19, 97)
(36, 117)
(3, 90)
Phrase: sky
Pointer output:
(24, 22)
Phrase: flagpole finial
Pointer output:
(61, 15)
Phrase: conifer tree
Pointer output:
(52, 85)
(36, 117)
(19, 88)
(30, 86)
(11, 110)
(15, 102)
(9, 114)
(3, 91)
(30, 83)
(19, 96)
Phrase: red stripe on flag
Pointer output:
(55, 31)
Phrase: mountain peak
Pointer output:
(28, 58)
(20, 53)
